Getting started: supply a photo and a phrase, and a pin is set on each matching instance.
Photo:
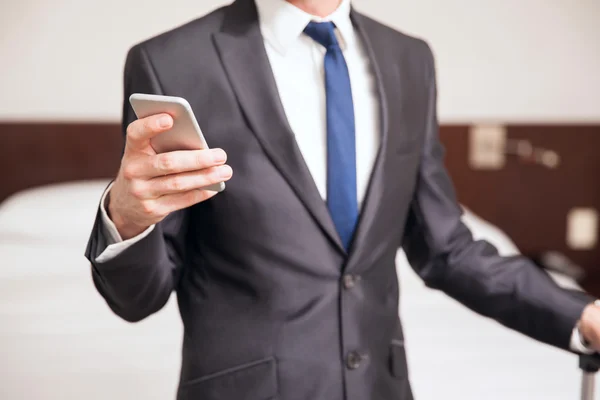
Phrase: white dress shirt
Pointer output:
(297, 62)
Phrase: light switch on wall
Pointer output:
(487, 147)
(582, 228)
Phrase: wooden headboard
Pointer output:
(42, 153)
(528, 202)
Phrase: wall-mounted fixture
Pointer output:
(527, 153)
(582, 228)
(487, 145)
(489, 148)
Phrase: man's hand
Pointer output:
(150, 186)
(589, 326)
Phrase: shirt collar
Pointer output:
(282, 23)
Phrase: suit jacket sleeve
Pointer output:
(139, 280)
(442, 251)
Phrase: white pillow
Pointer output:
(58, 213)
(484, 230)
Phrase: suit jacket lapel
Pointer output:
(385, 71)
(241, 47)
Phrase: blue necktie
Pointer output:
(341, 147)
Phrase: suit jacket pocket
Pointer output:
(398, 365)
(256, 380)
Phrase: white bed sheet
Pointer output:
(454, 353)
(60, 213)
(59, 340)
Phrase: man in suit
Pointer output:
(286, 280)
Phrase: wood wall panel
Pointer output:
(38, 154)
(527, 201)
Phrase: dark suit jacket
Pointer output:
(272, 305)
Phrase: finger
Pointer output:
(178, 201)
(176, 162)
(187, 181)
(140, 132)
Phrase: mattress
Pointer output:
(59, 340)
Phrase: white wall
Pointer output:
(509, 60)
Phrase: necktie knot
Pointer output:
(322, 33)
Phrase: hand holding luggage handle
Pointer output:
(589, 365)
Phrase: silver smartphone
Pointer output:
(185, 133)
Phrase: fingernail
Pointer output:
(219, 155)
(225, 171)
(164, 121)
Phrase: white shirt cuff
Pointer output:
(577, 343)
(116, 245)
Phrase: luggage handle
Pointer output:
(589, 365)
(589, 362)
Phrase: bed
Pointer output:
(61, 342)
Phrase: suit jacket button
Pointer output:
(350, 281)
(353, 360)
